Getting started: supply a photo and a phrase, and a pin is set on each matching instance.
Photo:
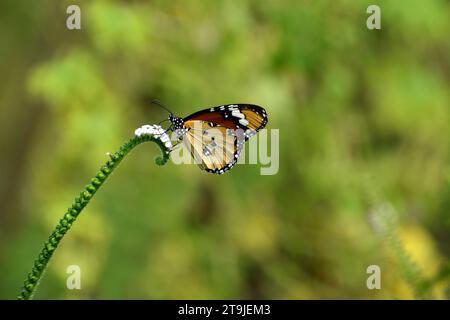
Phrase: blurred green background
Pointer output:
(364, 148)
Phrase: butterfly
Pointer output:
(216, 136)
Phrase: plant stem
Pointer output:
(78, 205)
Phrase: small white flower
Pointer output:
(157, 131)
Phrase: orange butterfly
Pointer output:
(215, 137)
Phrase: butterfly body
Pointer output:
(216, 136)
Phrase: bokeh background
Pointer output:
(364, 173)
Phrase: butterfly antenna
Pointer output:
(159, 104)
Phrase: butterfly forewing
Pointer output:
(234, 116)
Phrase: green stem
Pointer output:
(80, 202)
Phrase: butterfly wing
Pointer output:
(215, 137)
(234, 116)
(215, 148)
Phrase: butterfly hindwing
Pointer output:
(214, 148)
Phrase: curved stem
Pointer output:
(78, 205)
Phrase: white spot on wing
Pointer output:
(237, 114)
(244, 122)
